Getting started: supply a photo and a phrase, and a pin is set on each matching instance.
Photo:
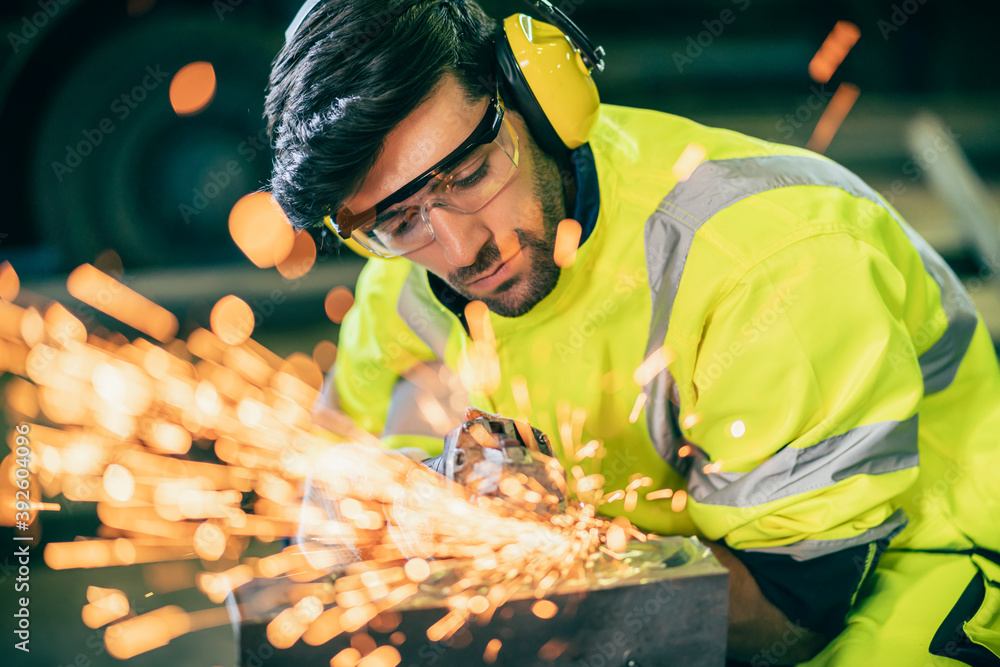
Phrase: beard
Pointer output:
(519, 294)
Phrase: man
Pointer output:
(830, 401)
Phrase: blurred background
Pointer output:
(131, 129)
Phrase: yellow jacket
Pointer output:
(829, 384)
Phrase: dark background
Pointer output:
(63, 65)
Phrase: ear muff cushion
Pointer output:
(516, 87)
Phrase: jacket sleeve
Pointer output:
(807, 385)
(386, 379)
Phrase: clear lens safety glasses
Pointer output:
(464, 188)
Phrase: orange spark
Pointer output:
(544, 609)
(658, 360)
(301, 259)
(349, 657)
(417, 570)
(18, 323)
(492, 649)
(480, 327)
(10, 284)
(640, 402)
(106, 294)
(834, 49)
(689, 159)
(338, 301)
(616, 538)
(261, 230)
(689, 421)
(659, 494)
(834, 114)
(193, 88)
(568, 235)
(232, 320)
(679, 501)
(325, 354)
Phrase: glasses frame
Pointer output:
(486, 131)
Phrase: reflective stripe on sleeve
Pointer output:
(871, 449)
(808, 549)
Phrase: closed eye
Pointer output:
(474, 177)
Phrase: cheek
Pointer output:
(522, 207)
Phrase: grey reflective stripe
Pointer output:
(872, 449)
(423, 314)
(717, 184)
(809, 549)
(939, 363)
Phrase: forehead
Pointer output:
(431, 131)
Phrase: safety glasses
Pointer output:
(464, 181)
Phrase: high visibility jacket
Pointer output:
(829, 383)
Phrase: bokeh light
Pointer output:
(232, 320)
(193, 88)
(338, 301)
(300, 260)
(261, 230)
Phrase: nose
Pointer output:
(460, 235)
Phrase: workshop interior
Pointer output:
(135, 161)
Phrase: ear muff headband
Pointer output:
(593, 56)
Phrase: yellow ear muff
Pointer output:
(557, 77)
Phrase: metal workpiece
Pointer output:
(664, 604)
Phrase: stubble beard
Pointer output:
(519, 294)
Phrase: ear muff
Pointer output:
(548, 81)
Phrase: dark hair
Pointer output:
(350, 74)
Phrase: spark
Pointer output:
(10, 284)
(833, 116)
(568, 235)
(679, 501)
(492, 649)
(689, 159)
(480, 326)
(301, 259)
(232, 320)
(101, 291)
(338, 302)
(834, 49)
(690, 420)
(116, 422)
(640, 402)
(192, 88)
(544, 609)
(261, 230)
